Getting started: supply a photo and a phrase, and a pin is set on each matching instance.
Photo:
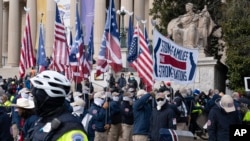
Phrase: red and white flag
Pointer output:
(27, 58)
(140, 58)
(60, 56)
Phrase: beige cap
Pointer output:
(160, 95)
(227, 103)
(78, 102)
(99, 94)
(77, 94)
(141, 92)
(24, 103)
(115, 94)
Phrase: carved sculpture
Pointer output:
(192, 29)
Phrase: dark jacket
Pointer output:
(127, 113)
(100, 118)
(5, 122)
(29, 123)
(122, 82)
(115, 112)
(163, 118)
(219, 123)
(142, 111)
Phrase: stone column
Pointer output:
(33, 20)
(99, 23)
(149, 18)
(49, 26)
(14, 41)
(128, 4)
(1, 31)
(73, 16)
(5, 33)
(139, 10)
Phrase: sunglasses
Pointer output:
(159, 99)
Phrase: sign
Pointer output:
(247, 83)
(173, 62)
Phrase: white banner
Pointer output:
(173, 62)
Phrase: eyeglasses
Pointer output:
(159, 99)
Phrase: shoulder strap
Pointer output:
(63, 124)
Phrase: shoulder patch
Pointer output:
(77, 137)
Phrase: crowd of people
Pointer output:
(43, 107)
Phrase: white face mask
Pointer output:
(78, 109)
(98, 101)
(160, 104)
(115, 98)
(125, 98)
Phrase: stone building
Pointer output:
(13, 14)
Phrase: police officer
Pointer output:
(55, 122)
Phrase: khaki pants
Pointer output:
(114, 132)
(182, 126)
(140, 138)
(126, 132)
(100, 136)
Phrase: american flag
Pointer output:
(146, 36)
(27, 58)
(41, 55)
(140, 59)
(88, 61)
(110, 51)
(77, 50)
(60, 56)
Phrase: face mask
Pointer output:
(125, 98)
(78, 109)
(115, 98)
(162, 85)
(160, 104)
(98, 101)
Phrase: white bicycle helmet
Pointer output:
(52, 82)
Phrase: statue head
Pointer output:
(189, 6)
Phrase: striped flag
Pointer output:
(60, 56)
(41, 55)
(27, 58)
(146, 35)
(77, 50)
(140, 59)
(110, 51)
(88, 61)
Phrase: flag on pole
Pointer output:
(27, 58)
(110, 51)
(146, 35)
(140, 59)
(77, 50)
(41, 55)
(130, 31)
(60, 55)
(88, 61)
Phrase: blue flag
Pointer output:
(130, 32)
(41, 55)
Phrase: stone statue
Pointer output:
(192, 29)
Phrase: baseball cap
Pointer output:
(99, 94)
(141, 93)
(160, 95)
(115, 94)
(78, 102)
(227, 103)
